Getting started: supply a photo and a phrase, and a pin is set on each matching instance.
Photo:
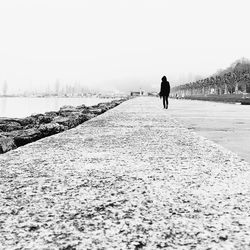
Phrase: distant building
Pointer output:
(135, 93)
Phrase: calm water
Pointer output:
(19, 107)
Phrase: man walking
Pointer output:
(165, 90)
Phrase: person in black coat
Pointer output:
(165, 90)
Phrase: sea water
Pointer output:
(19, 107)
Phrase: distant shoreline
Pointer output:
(21, 107)
(56, 96)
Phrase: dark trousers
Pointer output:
(165, 101)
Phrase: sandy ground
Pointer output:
(224, 123)
(131, 178)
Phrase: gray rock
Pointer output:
(26, 136)
(68, 109)
(72, 120)
(7, 126)
(69, 122)
(45, 119)
(81, 107)
(28, 121)
(65, 121)
(84, 111)
(68, 113)
(50, 129)
(87, 116)
(6, 144)
(103, 106)
(52, 113)
(41, 118)
(96, 111)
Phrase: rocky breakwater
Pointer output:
(15, 132)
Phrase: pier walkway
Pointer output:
(131, 178)
(224, 123)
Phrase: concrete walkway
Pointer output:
(131, 178)
(224, 123)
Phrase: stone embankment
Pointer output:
(16, 132)
(131, 178)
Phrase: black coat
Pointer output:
(165, 88)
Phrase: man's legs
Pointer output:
(164, 101)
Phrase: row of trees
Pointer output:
(235, 79)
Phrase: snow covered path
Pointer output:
(131, 178)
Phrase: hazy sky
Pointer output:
(115, 42)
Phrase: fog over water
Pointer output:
(20, 107)
(118, 45)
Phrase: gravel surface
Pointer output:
(131, 178)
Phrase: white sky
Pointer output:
(107, 42)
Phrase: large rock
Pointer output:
(28, 121)
(67, 113)
(26, 136)
(52, 114)
(64, 121)
(81, 107)
(6, 144)
(85, 111)
(72, 120)
(50, 129)
(84, 117)
(41, 118)
(95, 110)
(45, 119)
(7, 126)
(68, 108)
(103, 106)
(87, 116)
